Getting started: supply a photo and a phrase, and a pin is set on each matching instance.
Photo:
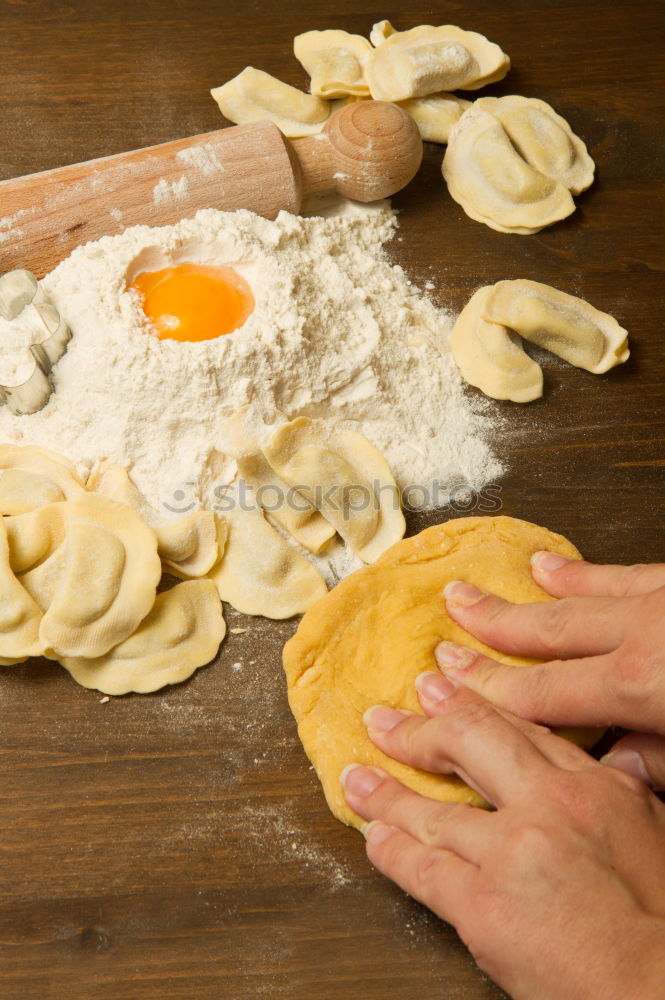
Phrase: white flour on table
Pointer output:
(338, 333)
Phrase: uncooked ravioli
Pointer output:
(366, 641)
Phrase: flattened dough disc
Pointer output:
(366, 641)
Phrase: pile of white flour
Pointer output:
(338, 333)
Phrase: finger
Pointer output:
(560, 752)
(482, 746)
(439, 879)
(558, 693)
(454, 826)
(563, 577)
(642, 755)
(582, 626)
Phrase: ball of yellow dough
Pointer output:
(367, 640)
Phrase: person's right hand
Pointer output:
(604, 647)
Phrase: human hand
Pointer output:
(560, 893)
(604, 644)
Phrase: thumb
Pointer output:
(642, 755)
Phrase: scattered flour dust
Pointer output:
(203, 157)
(165, 190)
(338, 333)
(8, 228)
(267, 826)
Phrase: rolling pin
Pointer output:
(367, 150)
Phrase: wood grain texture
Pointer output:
(366, 151)
(248, 166)
(375, 149)
(177, 846)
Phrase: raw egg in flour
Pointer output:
(194, 301)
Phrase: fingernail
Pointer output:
(548, 561)
(434, 687)
(382, 719)
(361, 781)
(376, 831)
(461, 594)
(628, 761)
(449, 654)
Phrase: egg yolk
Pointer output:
(190, 302)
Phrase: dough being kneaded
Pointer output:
(369, 638)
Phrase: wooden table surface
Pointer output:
(177, 846)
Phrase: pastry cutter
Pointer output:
(19, 290)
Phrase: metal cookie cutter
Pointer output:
(20, 290)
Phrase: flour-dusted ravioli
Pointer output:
(31, 477)
(491, 357)
(427, 59)
(380, 31)
(112, 480)
(435, 115)
(181, 633)
(326, 478)
(20, 616)
(253, 95)
(563, 324)
(487, 346)
(544, 139)
(22, 490)
(34, 536)
(186, 545)
(243, 437)
(487, 176)
(43, 579)
(101, 580)
(259, 572)
(285, 504)
(345, 477)
(334, 60)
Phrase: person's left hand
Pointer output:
(559, 893)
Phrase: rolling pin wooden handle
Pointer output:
(365, 154)
(366, 151)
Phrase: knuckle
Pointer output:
(443, 817)
(422, 744)
(410, 737)
(430, 824)
(528, 843)
(534, 692)
(429, 829)
(555, 624)
(635, 675)
(494, 611)
(467, 716)
(425, 874)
